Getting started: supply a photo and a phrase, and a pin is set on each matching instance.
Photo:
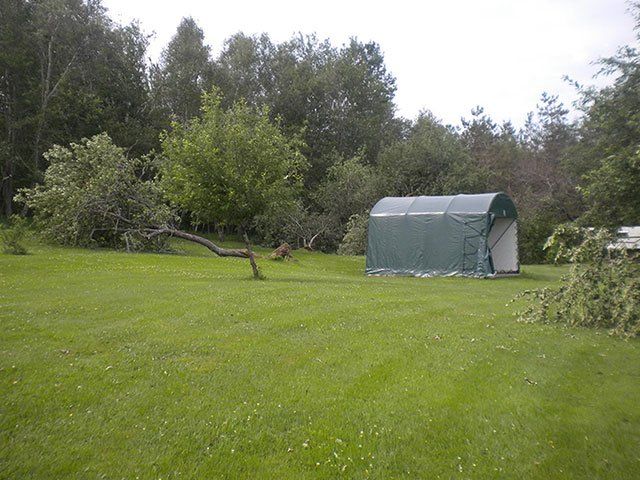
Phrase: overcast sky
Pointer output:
(447, 56)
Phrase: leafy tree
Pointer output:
(350, 187)
(545, 189)
(92, 193)
(610, 136)
(354, 241)
(494, 150)
(17, 62)
(67, 72)
(231, 166)
(340, 99)
(243, 70)
(431, 161)
(612, 191)
(184, 72)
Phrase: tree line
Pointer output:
(292, 141)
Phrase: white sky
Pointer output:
(447, 56)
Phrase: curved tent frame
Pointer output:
(471, 235)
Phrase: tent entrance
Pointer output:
(503, 245)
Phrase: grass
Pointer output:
(117, 365)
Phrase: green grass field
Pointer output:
(147, 366)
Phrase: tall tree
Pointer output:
(430, 161)
(17, 64)
(494, 149)
(184, 72)
(68, 72)
(243, 70)
(607, 155)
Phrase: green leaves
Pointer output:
(612, 191)
(231, 165)
(600, 291)
(92, 194)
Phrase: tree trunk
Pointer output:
(252, 261)
(7, 186)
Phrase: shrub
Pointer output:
(94, 195)
(13, 236)
(563, 241)
(533, 231)
(602, 290)
(355, 240)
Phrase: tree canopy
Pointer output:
(230, 166)
(298, 136)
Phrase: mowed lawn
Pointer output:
(148, 366)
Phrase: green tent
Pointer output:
(471, 235)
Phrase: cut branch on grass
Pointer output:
(151, 233)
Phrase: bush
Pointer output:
(355, 240)
(13, 236)
(602, 290)
(533, 232)
(563, 241)
(94, 195)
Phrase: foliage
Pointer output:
(431, 161)
(612, 191)
(602, 290)
(354, 241)
(562, 243)
(341, 98)
(92, 193)
(350, 187)
(299, 226)
(184, 73)
(231, 166)
(68, 72)
(13, 236)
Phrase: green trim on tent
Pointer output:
(471, 235)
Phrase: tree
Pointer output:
(94, 195)
(17, 62)
(184, 73)
(430, 161)
(350, 187)
(612, 191)
(610, 136)
(243, 70)
(230, 166)
(494, 150)
(340, 99)
(67, 72)
(545, 190)
(601, 290)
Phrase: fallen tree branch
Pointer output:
(221, 252)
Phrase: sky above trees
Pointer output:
(447, 56)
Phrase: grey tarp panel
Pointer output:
(432, 236)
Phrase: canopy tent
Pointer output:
(471, 235)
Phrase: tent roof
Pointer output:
(497, 203)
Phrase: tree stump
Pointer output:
(283, 252)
